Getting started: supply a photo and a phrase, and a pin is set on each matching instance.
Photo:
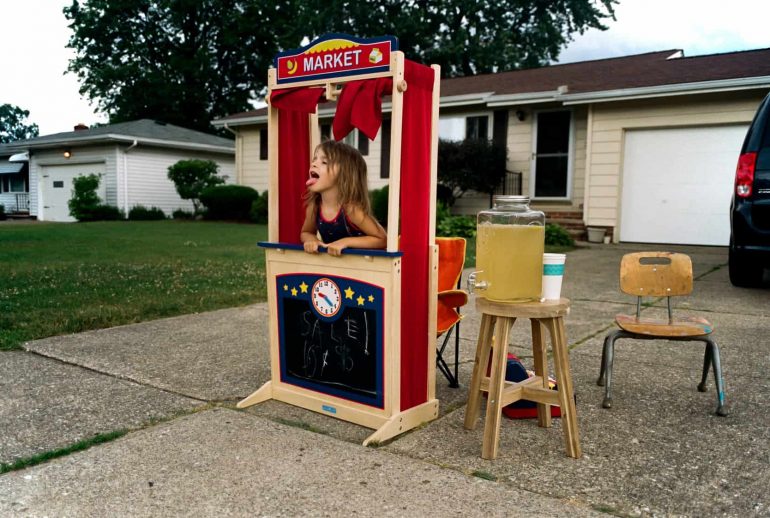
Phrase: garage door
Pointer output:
(677, 184)
(56, 189)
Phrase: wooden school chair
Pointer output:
(660, 274)
(451, 259)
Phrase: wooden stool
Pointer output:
(496, 321)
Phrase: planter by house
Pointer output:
(596, 234)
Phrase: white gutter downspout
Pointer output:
(125, 176)
(238, 154)
(587, 171)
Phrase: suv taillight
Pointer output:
(744, 174)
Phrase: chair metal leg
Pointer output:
(707, 352)
(603, 367)
(608, 355)
(717, 363)
(442, 364)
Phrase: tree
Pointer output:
(13, 125)
(191, 177)
(189, 61)
(182, 61)
(472, 164)
(465, 37)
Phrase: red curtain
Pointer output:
(293, 106)
(415, 219)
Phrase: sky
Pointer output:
(35, 57)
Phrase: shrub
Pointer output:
(2, 212)
(258, 212)
(104, 212)
(142, 213)
(228, 202)
(182, 214)
(379, 200)
(84, 201)
(555, 235)
(448, 225)
(472, 164)
(192, 177)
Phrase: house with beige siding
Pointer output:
(132, 159)
(644, 146)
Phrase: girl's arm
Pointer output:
(375, 235)
(308, 235)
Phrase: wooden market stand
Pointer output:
(369, 357)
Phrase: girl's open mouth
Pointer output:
(313, 179)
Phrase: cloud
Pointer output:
(696, 26)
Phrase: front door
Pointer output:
(551, 164)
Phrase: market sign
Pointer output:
(335, 55)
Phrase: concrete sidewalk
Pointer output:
(173, 384)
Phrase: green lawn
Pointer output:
(65, 278)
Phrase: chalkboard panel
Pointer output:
(330, 333)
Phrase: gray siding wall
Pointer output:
(147, 183)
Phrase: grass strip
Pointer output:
(61, 452)
(68, 278)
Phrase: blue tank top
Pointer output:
(337, 228)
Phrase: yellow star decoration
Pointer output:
(360, 300)
(349, 293)
(294, 292)
(303, 287)
(285, 287)
(371, 298)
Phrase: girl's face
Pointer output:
(322, 175)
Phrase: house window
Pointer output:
(13, 183)
(263, 144)
(385, 149)
(464, 127)
(551, 168)
(363, 143)
(476, 127)
(355, 138)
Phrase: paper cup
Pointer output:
(553, 273)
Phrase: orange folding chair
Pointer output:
(451, 258)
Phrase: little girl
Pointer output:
(337, 202)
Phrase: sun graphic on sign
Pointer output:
(292, 66)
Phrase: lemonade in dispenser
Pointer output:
(509, 251)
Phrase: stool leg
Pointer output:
(496, 385)
(479, 371)
(566, 390)
(541, 369)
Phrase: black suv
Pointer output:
(750, 207)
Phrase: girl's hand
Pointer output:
(311, 247)
(337, 247)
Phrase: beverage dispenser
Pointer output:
(509, 251)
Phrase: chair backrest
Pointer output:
(451, 259)
(656, 274)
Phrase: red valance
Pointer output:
(360, 106)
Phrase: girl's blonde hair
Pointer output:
(351, 175)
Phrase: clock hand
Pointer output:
(326, 299)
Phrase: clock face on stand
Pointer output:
(326, 297)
